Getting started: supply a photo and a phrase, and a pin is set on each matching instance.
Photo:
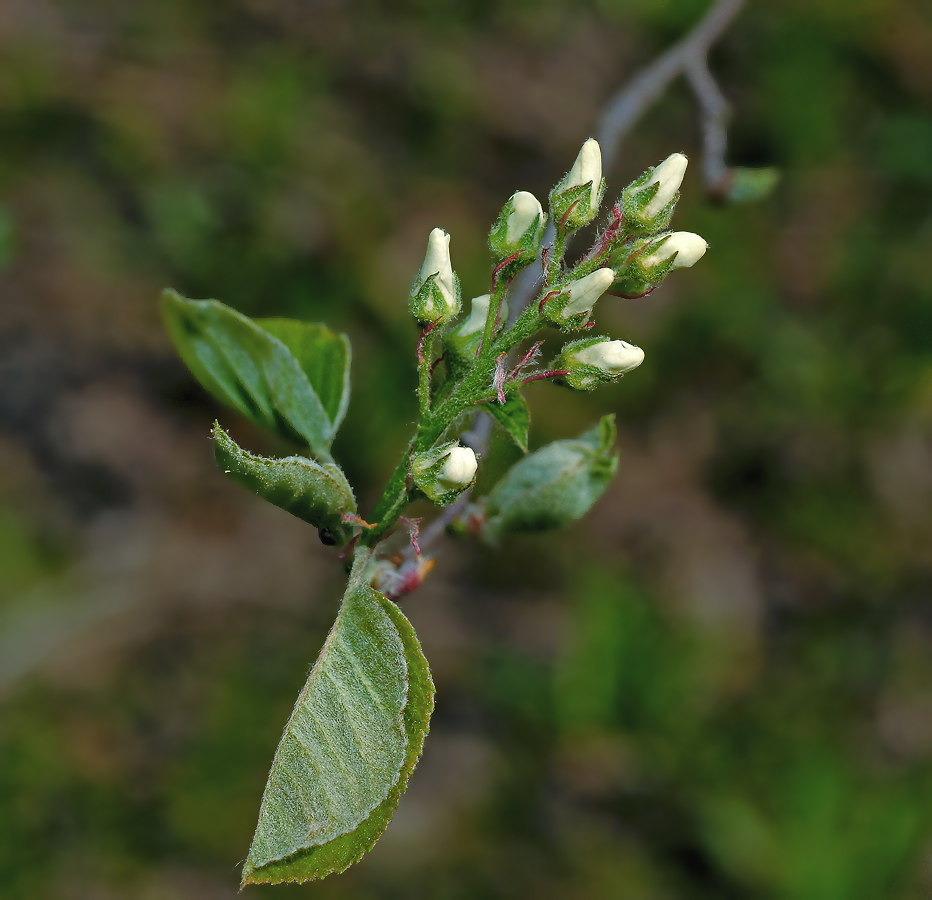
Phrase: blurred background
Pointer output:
(718, 685)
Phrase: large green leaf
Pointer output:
(555, 484)
(317, 493)
(324, 356)
(513, 415)
(247, 368)
(353, 739)
(340, 853)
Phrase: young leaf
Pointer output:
(324, 356)
(247, 368)
(340, 853)
(316, 493)
(513, 416)
(555, 484)
(352, 740)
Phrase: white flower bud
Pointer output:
(458, 470)
(588, 167)
(688, 247)
(594, 361)
(478, 313)
(441, 302)
(584, 292)
(437, 262)
(669, 175)
(612, 357)
(526, 213)
(443, 472)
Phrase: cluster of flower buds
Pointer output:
(435, 295)
(594, 361)
(444, 472)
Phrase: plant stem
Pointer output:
(476, 385)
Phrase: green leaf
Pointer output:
(247, 368)
(353, 739)
(555, 484)
(324, 356)
(317, 493)
(513, 416)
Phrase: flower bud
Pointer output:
(573, 306)
(435, 294)
(648, 202)
(640, 265)
(683, 248)
(594, 361)
(444, 472)
(459, 469)
(519, 228)
(461, 342)
(575, 200)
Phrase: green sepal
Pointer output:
(427, 303)
(246, 367)
(513, 415)
(324, 356)
(632, 279)
(527, 246)
(379, 713)
(317, 493)
(552, 312)
(633, 200)
(554, 485)
(571, 208)
(427, 474)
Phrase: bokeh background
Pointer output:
(718, 685)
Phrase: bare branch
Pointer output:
(715, 115)
(635, 98)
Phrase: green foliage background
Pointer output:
(719, 685)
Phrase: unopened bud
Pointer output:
(668, 177)
(459, 469)
(574, 304)
(444, 472)
(683, 247)
(575, 200)
(478, 313)
(648, 201)
(594, 361)
(461, 342)
(640, 265)
(435, 294)
(519, 229)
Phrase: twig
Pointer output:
(686, 57)
(715, 115)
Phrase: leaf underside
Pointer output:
(248, 368)
(354, 737)
(514, 416)
(555, 484)
(316, 492)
